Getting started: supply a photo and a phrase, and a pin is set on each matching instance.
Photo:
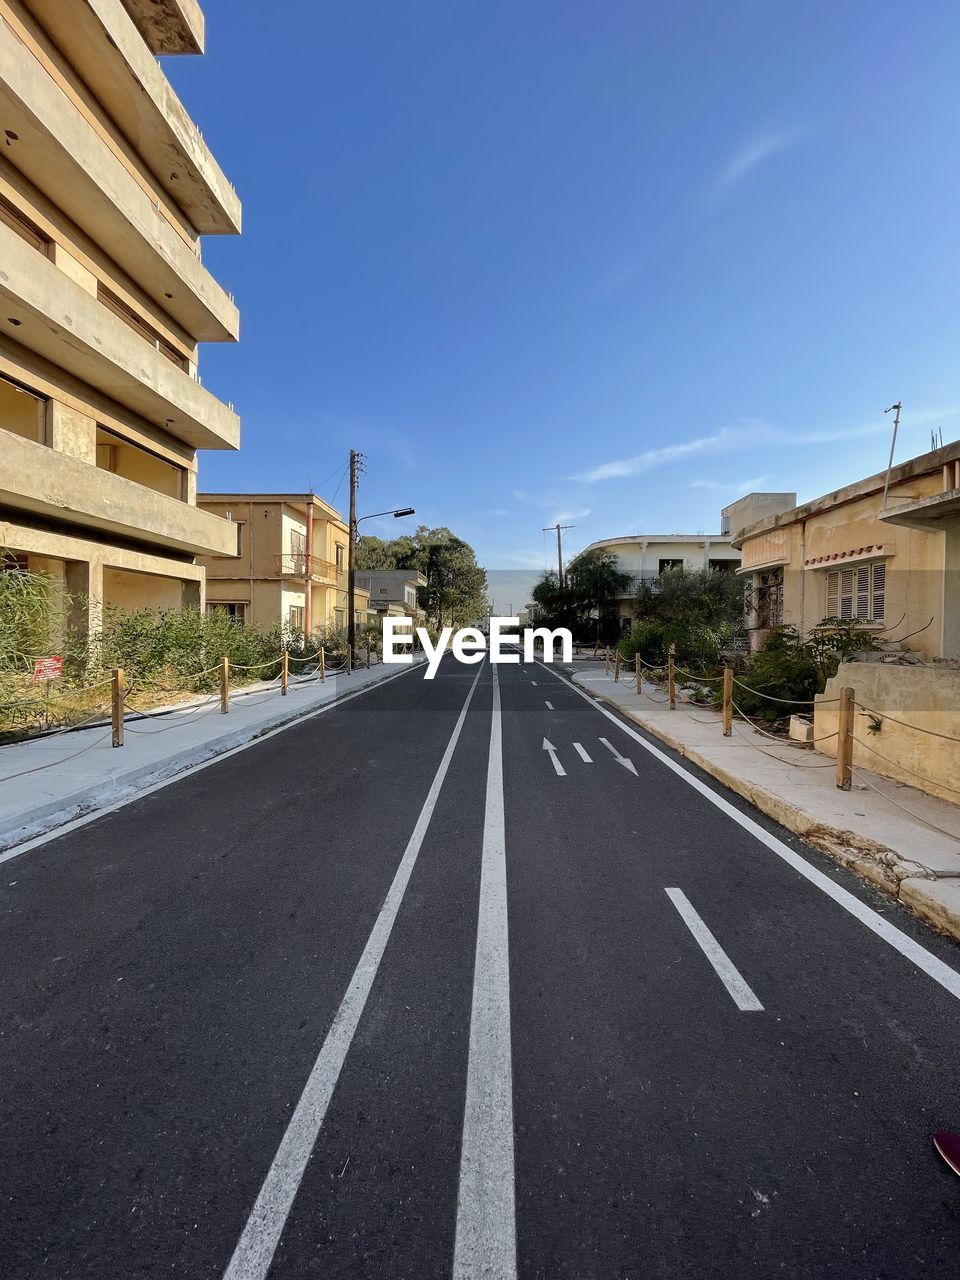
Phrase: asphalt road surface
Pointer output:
(466, 978)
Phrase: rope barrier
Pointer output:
(906, 725)
(897, 765)
(51, 763)
(794, 764)
(913, 814)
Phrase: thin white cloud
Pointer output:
(732, 486)
(574, 513)
(756, 434)
(751, 154)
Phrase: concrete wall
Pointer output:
(927, 697)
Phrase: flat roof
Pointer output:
(922, 464)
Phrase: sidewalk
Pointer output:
(49, 781)
(902, 840)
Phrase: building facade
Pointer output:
(647, 555)
(288, 562)
(106, 187)
(393, 592)
(884, 551)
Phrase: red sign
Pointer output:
(47, 669)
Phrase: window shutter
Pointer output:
(879, 588)
(846, 594)
(833, 594)
(863, 592)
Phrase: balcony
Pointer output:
(103, 38)
(61, 152)
(930, 514)
(51, 315)
(36, 479)
(293, 564)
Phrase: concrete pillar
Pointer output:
(951, 591)
(84, 583)
(191, 596)
(72, 433)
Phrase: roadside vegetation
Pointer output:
(456, 590)
(160, 650)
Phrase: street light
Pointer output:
(351, 568)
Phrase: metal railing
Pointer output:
(294, 564)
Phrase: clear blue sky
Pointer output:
(612, 263)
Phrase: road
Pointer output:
(402, 991)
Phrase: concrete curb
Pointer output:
(123, 784)
(935, 900)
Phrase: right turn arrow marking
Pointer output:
(627, 764)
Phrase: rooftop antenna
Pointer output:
(936, 439)
(895, 410)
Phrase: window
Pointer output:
(129, 460)
(21, 411)
(340, 550)
(670, 564)
(11, 217)
(768, 602)
(411, 596)
(146, 331)
(236, 611)
(338, 619)
(723, 566)
(857, 593)
(241, 525)
(384, 591)
(295, 617)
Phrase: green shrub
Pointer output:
(786, 668)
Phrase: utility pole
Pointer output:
(559, 528)
(895, 410)
(356, 465)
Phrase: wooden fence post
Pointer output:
(606, 660)
(636, 663)
(672, 682)
(323, 669)
(616, 667)
(845, 739)
(117, 690)
(284, 672)
(727, 701)
(368, 657)
(224, 685)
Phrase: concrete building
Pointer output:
(288, 565)
(393, 592)
(106, 186)
(647, 555)
(892, 563)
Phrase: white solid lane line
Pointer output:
(726, 971)
(486, 1238)
(550, 705)
(928, 963)
(261, 1235)
(581, 753)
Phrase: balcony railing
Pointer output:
(294, 565)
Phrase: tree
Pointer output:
(456, 585)
(595, 582)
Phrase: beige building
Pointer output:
(647, 555)
(892, 562)
(289, 561)
(393, 592)
(106, 186)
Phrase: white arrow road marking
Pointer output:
(550, 705)
(728, 974)
(627, 764)
(581, 753)
(549, 747)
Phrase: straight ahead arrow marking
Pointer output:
(627, 764)
(552, 752)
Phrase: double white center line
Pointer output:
(486, 1239)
